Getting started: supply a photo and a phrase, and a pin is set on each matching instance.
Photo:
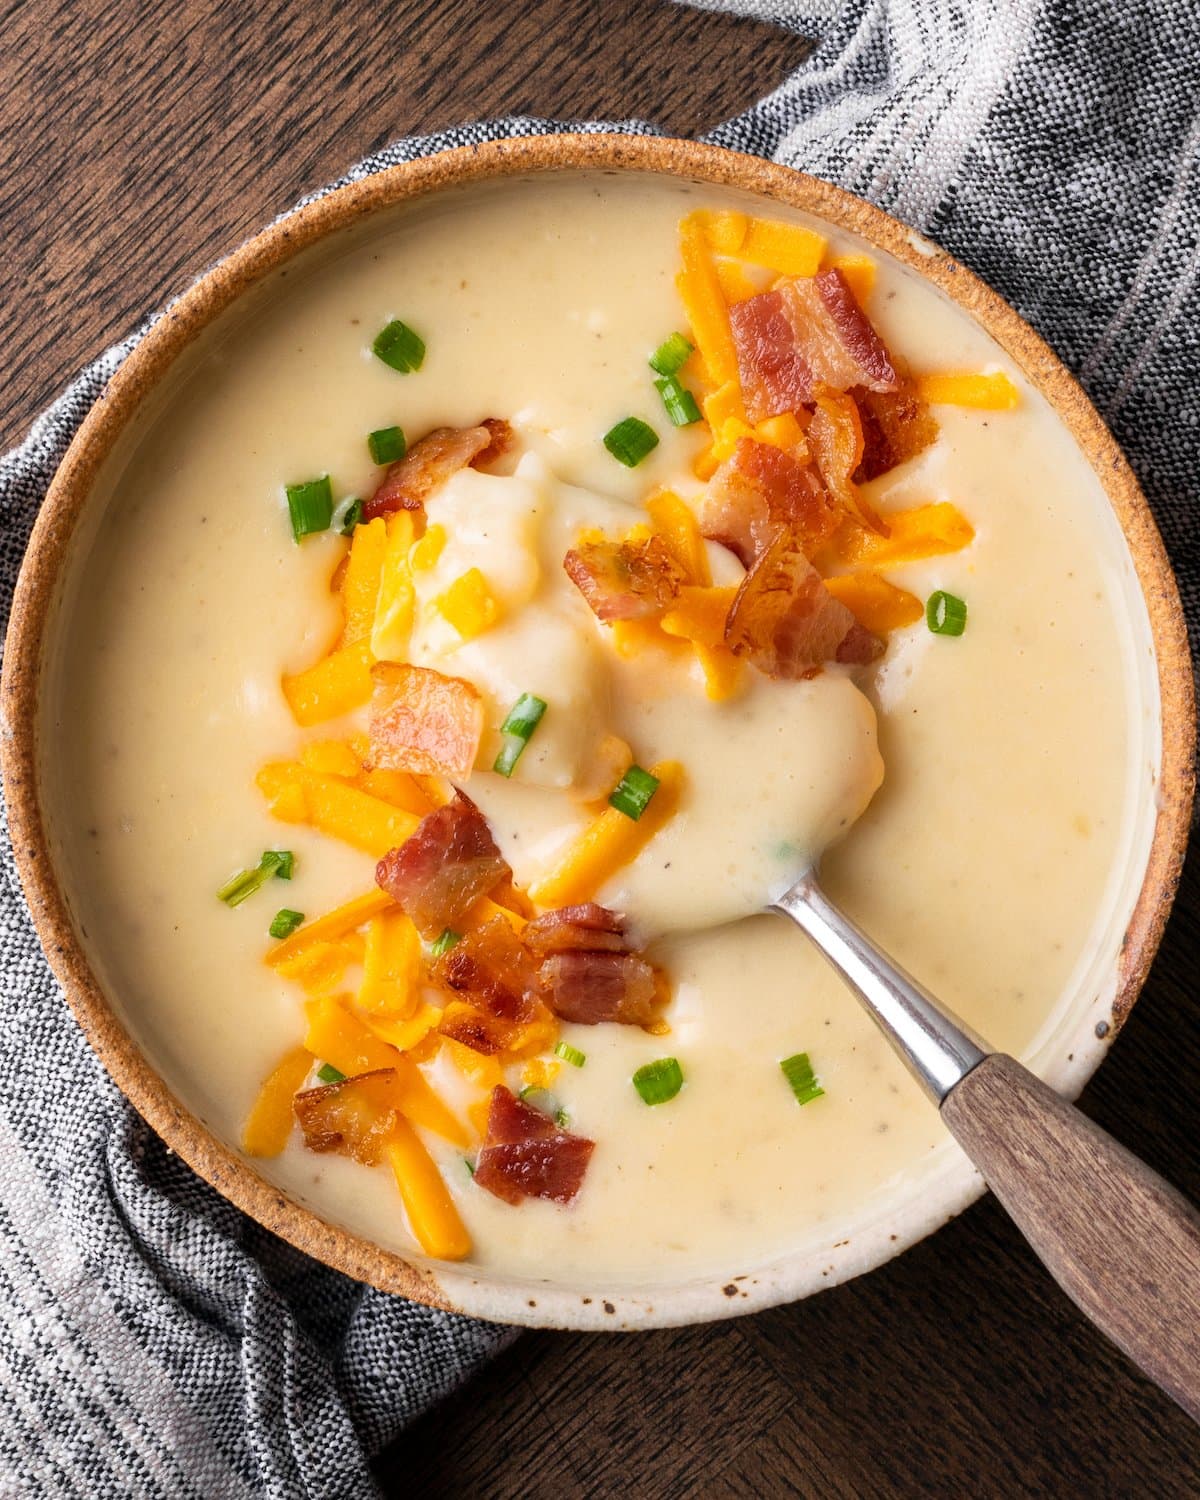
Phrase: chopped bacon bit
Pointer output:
(424, 722)
(354, 1116)
(835, 437)
(629, 580)
(493, 967)
(758, 489)
(588, 986)
(897, 425)
(786, 621)
(834, 335)
(586, 927)
(439, 873)
(411, 480)
(525, 1155)
(775, 376)
(476, 1029)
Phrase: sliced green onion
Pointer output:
(541, 1099)
(285, 922)
(246, 882)
(469, 1164)
(633, 792)
(630, 440)
(679, 401)
(327, 1073)
(310, 506)
(387, 444)
(285, 863)
(444, 943)
(670, 354)
(800, 1076)
(561, 1118)
(946, 614)
(658, 1081)
(570, 1054)
(398, 346)
(350, 517)
(523, 718)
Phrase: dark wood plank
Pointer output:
(141, 141)
(137, 143)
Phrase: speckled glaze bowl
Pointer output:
(1079, 1042)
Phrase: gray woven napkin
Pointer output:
(153, 1341)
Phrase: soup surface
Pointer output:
(988, 775)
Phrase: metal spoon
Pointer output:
(1120, 1241)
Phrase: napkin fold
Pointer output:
(153, 1340)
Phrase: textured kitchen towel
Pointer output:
(153, 1342)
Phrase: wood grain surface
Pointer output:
(140, 141)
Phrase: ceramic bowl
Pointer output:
(1080, 1041)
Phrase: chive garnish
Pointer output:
(658, 1081)
(570, 1054)
(350, 517)
(327, 1073)
(945, 614)
(633, 792)
(678, 400)
(523, 718)
(540, 1098)
(387, 444)
(246, 882)
(670, 354)
(800, 1076)
(561, 1118)
(630, 440)
(310, 506)
(398, 346)
(469, 1164)
(285, 922)
(444, 943)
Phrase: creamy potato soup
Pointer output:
(494, 612)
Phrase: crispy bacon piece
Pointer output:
(629, 580)
(494, 969)
(424, 722)
(440, 872)
(525, 1155)
(897, 425)
(354, 1117)
(588, 986)
(475, 1028)
(587, 927)
(758, 489)
(835, 436)
(410, 481)
(834, 335)
(785, 621)
(775, 377)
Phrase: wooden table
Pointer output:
(138, 142)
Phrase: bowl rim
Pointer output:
(460, 1288)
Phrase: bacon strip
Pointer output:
(410, 481)
(588, 986)
(354, 1116)
(775, 376)
(630, 580)
(492, 966)
(833, 334)
(589, 927)
(897, 425)
(440, 872)
(424, 722)
(758, 489)
(785, 621)
(525, 1155)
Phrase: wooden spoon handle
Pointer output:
(1121, 1242)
